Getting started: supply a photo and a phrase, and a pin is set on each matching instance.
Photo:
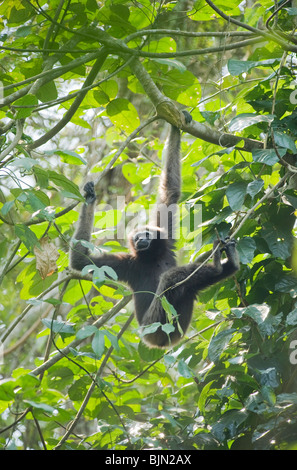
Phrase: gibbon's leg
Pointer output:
(189, 279)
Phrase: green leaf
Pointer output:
(41, 406)
(241, 121)
(268, 395)
(149, 354)
(174, 63)
(123, 115)
(229, 424)
(278, 241)
(254, 187)
(184, 369)
(98, 343)
(168, 328)
(7, 207)
(86, 331)
(26, 163)
(284, 140)
(219, 343)
(41, 176)
(135, 173)
(27, 103)
(58, 326)
(26, 235)
(237, 67)
(152, 328)
(72, 158)
(106, 92)
(267, 156)
(246, 248)
(47, 92)
(62, 182)
(235, 194)
(113, 339)
(291, 319)
(169, 309)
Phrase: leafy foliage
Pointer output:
(75, 373)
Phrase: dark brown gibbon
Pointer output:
(150, 268)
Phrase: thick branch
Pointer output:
(166, 109)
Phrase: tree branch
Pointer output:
(98, 323)
(166, 109)
(75, 105)
(269, 36)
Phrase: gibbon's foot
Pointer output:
(89, 190)
(188, 117)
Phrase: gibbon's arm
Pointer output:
(170, 181)
(199, 277)
(80, 255)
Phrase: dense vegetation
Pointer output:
(83, 83)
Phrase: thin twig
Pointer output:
(13, 144)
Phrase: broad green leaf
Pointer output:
(235, 194)
(229, 424)
(237, 67)
(47, 92)
(67, 156)
(58, 326)
(149, 354)
(284, 140)
(123, 115)
(241, 121)
(106, 92)
(152, 328)
(246, 248)
(26, 235)
(136, 173)
(292, 318)
(26, 163)
(278, 241)
(184, 369)
(267, 156)
(254, 187)
(98, 343)
(168, 328)
(62, 182)
(41, 406)
(86, 331)
(25, 106)
(219, 343)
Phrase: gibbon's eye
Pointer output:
(147, 235)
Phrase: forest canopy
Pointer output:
(88, 91)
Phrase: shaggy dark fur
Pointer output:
(150, 267)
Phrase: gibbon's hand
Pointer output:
(89, 190)
(227, 243)
(188, 117)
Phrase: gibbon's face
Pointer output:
(142, 240)
(145, 240)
